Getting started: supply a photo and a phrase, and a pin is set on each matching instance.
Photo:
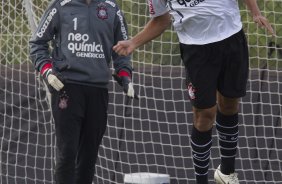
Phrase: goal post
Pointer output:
(150, 135)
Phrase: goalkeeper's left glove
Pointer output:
(123, 78)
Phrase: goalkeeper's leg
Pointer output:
(92, 133)
(67, 107)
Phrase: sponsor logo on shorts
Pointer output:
(191, 91)
(46, 23)
(190, 3)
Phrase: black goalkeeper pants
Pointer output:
(80, 114)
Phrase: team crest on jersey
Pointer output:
(191, 91)
(102, 11)
(63, 101)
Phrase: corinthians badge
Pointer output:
(63, 101)
(191, 91)
(102, 11)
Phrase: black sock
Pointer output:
(227, 128)
(201, 143)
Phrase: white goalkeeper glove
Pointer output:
(124, 80)
(51, 77)
(54, 81)
(127, 86)
(130, 90)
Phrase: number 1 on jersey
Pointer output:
(75, 24)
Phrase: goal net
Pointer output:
(148, 135)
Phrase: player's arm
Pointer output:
(154, 28)
(257, 16)
(39, 47)
(122, 64)
(39, 43)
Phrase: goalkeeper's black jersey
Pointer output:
(82, 36)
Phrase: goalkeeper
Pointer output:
(82, 33)
(215, 54)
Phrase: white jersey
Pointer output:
(200, 21)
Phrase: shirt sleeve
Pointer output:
(39, 43)
(157, 7)
(121, 33)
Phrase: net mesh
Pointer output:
(149, 135)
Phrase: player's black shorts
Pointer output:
(221, 66)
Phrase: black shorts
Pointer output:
(221, 66)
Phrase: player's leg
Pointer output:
(202, 69)
(68, 116)
(201, 141)
(91, 133)
(231, 86)
(227, 128)
(228, 131)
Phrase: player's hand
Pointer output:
(124, 48)
(54, 81)
(52, 78)
(263, 22)
(127, 85)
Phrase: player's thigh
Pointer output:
(68, 107)
(235, 70)
(202, 70)
(96, 114)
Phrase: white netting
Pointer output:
(149, 135)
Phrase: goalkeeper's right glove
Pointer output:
(124, 79)
(53, 80)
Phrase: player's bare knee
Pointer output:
(228, 108)
(204, 118)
